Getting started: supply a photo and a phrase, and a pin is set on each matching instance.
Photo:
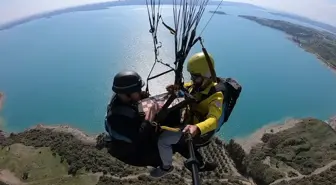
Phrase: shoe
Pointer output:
(160, 171)
(207, 166)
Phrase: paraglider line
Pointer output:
(213, 13)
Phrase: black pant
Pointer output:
(146, 155)
(182, 148)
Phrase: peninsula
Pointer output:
(322, 25)
(218, 12)
(293, 153)
(320, 43)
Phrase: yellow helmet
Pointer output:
(198, 64)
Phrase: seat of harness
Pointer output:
(152, 105)
(174, 118)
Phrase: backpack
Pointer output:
(231, 90)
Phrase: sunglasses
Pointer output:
(195, 76)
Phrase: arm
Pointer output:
(137, 132)
(214, 113)
(124, 126)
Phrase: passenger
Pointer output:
(206, 113)
(129, 132)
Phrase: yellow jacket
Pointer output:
(210, 109)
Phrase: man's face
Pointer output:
(197, 79)
(136, 96)
(133, 97)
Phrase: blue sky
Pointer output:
(321, 10)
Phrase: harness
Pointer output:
(129, 111)
(231, 91)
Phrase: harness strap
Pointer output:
(213, 90)
(141, 112)
(211, 67)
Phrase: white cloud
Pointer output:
(320, 10)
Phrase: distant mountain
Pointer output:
(247, 5)
(307, 20)
(100, 6)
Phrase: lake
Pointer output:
(59, 70)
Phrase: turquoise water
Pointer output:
(60, 70)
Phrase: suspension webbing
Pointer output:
(187, 15)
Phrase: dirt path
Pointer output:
(186, 180)
(9, 178)
(324, 168)
(300, 176)
(47, 179)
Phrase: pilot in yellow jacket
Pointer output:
(208, 110)
(206, 114)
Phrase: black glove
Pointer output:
(148, 127)
(172, 88)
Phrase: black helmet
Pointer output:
(127, 82)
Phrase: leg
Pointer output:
(165, 142)
(147, 156)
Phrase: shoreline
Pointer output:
(296, 33)
(246, 142)
(88, 7)
(255, 138)
(50, 14)
(234, 164)
(76, 132)
(317, 56)
(251, 140)
(332, 122)
(327, 64)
